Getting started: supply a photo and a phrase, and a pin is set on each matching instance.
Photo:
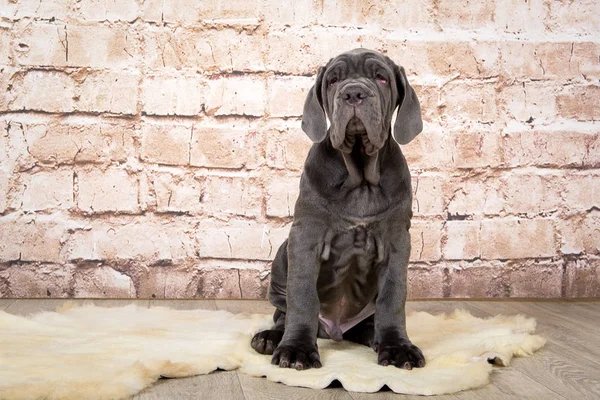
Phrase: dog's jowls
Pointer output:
(341, 274)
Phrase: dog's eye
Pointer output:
(333, 81)
(381, 78)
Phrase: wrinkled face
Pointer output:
(359, 96)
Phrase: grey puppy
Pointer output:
(341, 274)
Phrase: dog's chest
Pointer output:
(348, 278)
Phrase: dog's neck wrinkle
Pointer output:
(336, 174)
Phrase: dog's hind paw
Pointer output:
(265, 342)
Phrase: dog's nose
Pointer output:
(354, 96)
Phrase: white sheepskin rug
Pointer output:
(111, 353)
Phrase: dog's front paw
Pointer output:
(400, 352)
(265, 342)
(297, 354)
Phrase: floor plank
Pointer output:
(219, 385)
(560, 368)
(246, 306)
(185, 304)
(33, 306)
(4, 303)
(260, 388)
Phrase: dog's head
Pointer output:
(358, 91)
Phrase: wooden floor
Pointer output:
(568, 367)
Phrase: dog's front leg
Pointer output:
(391, 340)
(298, 347)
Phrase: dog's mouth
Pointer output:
(356, 138)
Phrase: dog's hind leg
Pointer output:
(363, 333)
(265, 342)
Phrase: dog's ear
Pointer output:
(314, 122)
(408, 120)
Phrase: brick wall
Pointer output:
(153, 148)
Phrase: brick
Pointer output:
(582, 277)
(30, 238)
(477, 280)
(428, 194)
(287, 146)
(4, 187)
(580, 234)
(189, 12)
(527, 193)
(579, 102)
(42, 44)
(278, 14)
(166, 144)
(582, 191)
(428, 150)
(43, 10)
(476, 149)
(302, 52)
(237, 95)
(107, 10)
(548, 60)
(517, 238)
(168, 282)
(235, 145)
(180, 95)
(461, 102)
(48, 189)
(88, 141)
(425, 282)
(551, 148)
(468, 59)
(102, 282)
(113, 190)
(229, 195)
(100, 46)
(13, 146)
(577, 17)
(476, 197)
(534, 279)
(39, 280)
(239, 240)
(528, 101)
(119, 93)
(218, 283)
(176, 192)
(255, 282)
(425, 240)
(143, 240)
(463, 240)
(282, 193)
(287, 94)
(49, 91)
(191, 48)
(5, 48)
(458, 14)
(516, 16)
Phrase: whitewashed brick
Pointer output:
(102, 282)
(517, 238)
(287, 94)
(237, 95)
(220, 146)
(282, 193)
(48, 189)
(166, 144)
(113, 190)
(118, 94)
(43, 91)
(180, 95)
